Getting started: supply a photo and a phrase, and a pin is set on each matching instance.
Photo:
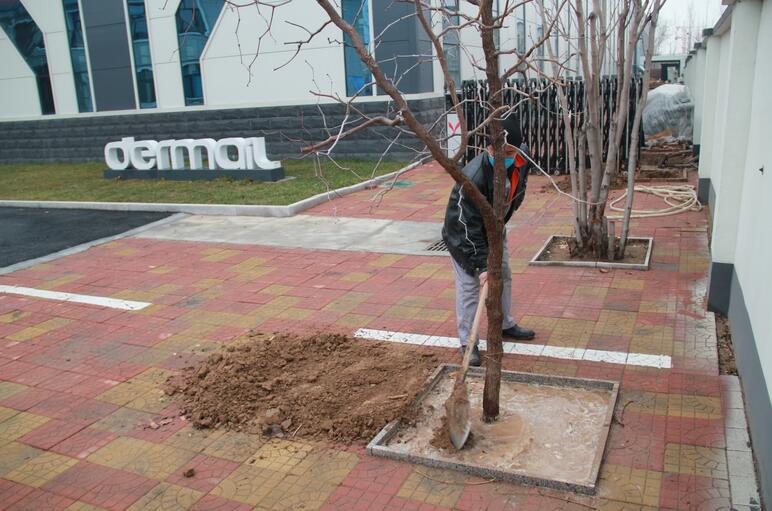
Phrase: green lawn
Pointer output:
(84, 182)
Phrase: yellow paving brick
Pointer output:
(154, 400)
(435, 315)
(9, 388)
(7, 413)
(386, 260)
(598, 292)
(41, 469)
(207, 283)
(127, 252)
(124, 392)
(251, 275)
(283, 301)
(423, 271)
(162, 270)
(695, 407)
(20, 424)
(221, 255)
(440, 488)
(153, 376)
(82, 506)
(573, 333)
(15, 454)
(248, 484)
(613, 505)
(248, 264)
(280, 455)
(65, 279)
(276, 289)
(414, 301)
(356, 276)
(234, 446)
(627, 283)
(155, 461)
(696, 460)
(10, 317)
(615, 323)
(627, 484)
(167, 497)
(668, 307)
(26, 334)
(401, 312)
(354, 320)
(193, 439)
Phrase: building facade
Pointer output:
(94, 70)
(728, 74)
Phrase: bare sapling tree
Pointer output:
(606, 42)
(437, 20)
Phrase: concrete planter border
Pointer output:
(214, 209)
(378, 446)
(595, 264)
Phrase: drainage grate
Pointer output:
(437, 246)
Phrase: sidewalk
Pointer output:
(83, 424)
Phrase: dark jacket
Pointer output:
(464, 230)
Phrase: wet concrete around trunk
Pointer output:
(545, 432)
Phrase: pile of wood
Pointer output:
(666, 162)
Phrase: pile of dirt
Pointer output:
(726, 362)
(319, 387)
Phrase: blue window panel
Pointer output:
(78, 55)
(143, 64)
(195, 22)
(358, 77)
(28, 39)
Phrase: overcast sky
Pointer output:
(706, 12)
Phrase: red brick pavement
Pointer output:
(82, 417)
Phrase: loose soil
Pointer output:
(558, 250)
(726, 362)
(325, 386)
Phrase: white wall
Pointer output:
(18, 87)
(754, 244)
(164, 52)
(49, 17)
(228, 77)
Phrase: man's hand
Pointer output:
(483, 278)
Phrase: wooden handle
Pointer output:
(471, 341)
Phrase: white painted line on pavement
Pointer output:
(112, 303)
(531, 350)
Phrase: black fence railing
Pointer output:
(541, 116)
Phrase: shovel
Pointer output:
(457, 405)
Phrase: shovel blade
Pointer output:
(459, 420)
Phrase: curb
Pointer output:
(87, 245)
(214, 209)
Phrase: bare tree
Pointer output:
(603, 34)
(437, 21)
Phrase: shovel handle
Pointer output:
(471, 341)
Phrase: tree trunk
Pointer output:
(495, 350)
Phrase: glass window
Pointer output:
(358, 77)
(195, 21)
(540, 50)
(140, 43)
(78, 55)
(521, 37)
(451, 44)
(28, 39)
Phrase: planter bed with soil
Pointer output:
(555, 252)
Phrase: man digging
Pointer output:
(466, 239)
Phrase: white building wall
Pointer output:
(19, 89)
(698, 93)
(49, 17)
(740, 75)
(164, 52)
(754, 245)
(708, 105)
(232, 75)
(719, 131)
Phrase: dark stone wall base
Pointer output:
(719, 287)
(286, 130)
(703, 190)
(195, 175)
(696, 150)
(757, 402)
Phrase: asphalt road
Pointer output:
(27, 233)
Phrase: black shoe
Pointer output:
(474, 359)
(519, 332)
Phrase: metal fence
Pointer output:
(541, 116)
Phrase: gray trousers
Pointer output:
(468, 294)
